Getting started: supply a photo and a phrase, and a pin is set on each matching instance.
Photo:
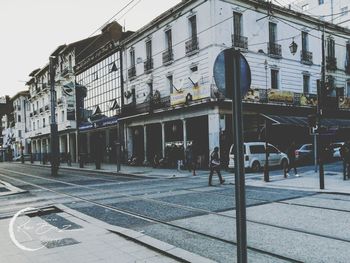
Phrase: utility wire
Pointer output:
(98, 29)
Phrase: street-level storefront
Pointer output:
(98, 140)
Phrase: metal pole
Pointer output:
(232, 68)
(320, 111)
(53, 124)
(315, 149)
(118, 147)
(266, 167)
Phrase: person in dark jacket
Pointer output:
(292, 163)
(215, 165)
(345, 155)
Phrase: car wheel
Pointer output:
(284, 164)
(256, 166)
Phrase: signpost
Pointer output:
(233, 78)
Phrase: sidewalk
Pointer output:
(65, 235)
(308, 180)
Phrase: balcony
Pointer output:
(168, 56)
(192, 46)
(274, 50)
(331, 63)
(44, 86)
(66, 71)
(132, 72)
(306, 57)
(148, 65)
(240, 41)
(60, 101)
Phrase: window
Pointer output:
(320, 2)
(306, 84)
(237, 24)
(19, 118)
(70, 62)
(305, 7)
(348, 88)
(194, 68)
(44, 125)
(132, 57)
(38, 124)
(149, 49)
(95, 76)
(33, 125)
(168, 39)
(331, 48)
(272, 149)
(62, 116)
(272, 32)
(19, 133)
(193, 26)
(170, 83)
(274, 78)
(256, 149)
(304, 41)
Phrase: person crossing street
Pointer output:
(215, 166)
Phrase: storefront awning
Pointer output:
(303, 121)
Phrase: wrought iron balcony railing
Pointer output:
(306, 57)
(331, 63)
(168, 56)
(132, 72)
(148, 65)
(192, 46)
(240, 41)
(274, 50)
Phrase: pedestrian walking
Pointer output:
(190, 160)
(345, 155)
(215, 166)
(292, 163)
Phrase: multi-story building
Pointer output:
(170, 93)
(65, 58)
(101, 74)
(19, 103)
(336, 12)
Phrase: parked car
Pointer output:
(26, 157)
(254, 156)
(336, 149)
(305, 154)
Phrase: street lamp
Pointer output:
(293, 47)
(53, 124)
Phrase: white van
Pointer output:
(254, 156)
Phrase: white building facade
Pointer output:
(171, 98)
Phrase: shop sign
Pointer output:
(68, 91)
(196, 93)
(280, 96)
(101, 123)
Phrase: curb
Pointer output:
(106, 172)
(140, 238)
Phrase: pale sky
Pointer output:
(32, 29)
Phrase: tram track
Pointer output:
(142, 216)
(152, 219)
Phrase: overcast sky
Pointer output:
(32, 29)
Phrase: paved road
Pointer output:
(283, 225)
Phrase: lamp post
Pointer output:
(53, 124)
